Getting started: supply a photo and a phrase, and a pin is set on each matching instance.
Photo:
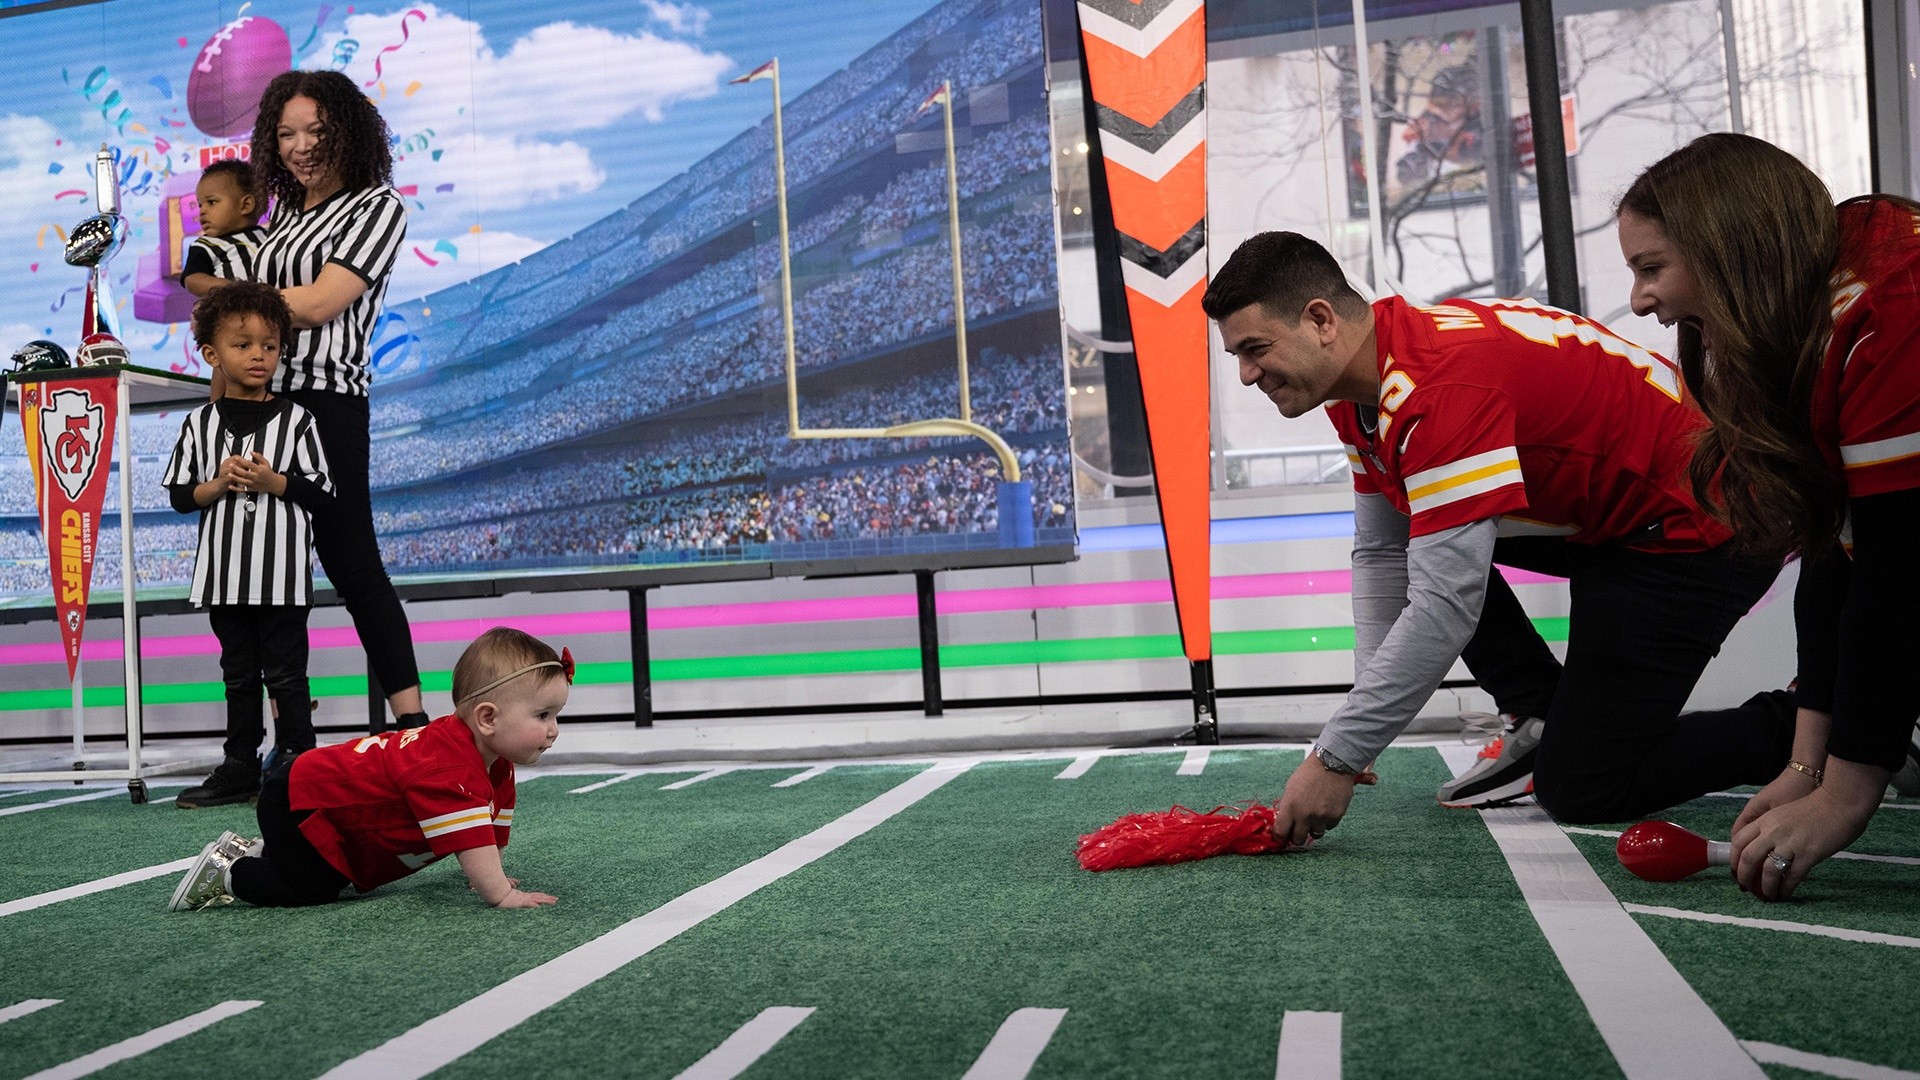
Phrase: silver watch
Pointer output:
(1333, 764)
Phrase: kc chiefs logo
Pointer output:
(70, 428)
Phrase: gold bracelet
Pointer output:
(1819, 775)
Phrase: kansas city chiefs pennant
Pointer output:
(73, 425)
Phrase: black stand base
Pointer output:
(1206, 707)
(642, 652)
(929, 645)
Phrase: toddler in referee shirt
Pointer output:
(252, 466)
(230, 229)
(376, 809)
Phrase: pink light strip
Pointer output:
(768, 613)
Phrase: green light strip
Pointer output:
(839, 662)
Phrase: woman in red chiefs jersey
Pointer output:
(1798, 325)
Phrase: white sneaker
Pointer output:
(1504, 773)
(205, 885)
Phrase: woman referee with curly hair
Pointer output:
(321, 152)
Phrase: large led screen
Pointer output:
(582, 362)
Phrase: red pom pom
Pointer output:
(1179, 835)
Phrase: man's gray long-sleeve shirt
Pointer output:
(1415, 607)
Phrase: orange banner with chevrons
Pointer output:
(1147, 70)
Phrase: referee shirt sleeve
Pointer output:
(370, 239)
(198, 260)
(307, 482)
(181, 467)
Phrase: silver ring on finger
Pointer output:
(1316, 833)
(1779, 862)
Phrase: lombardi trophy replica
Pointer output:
(93, 244)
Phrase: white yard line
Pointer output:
(803, 777)
(747, 1045)
(453, 1034)
(1079, 767)
(140, 1044)
(1195, 762)
(1844, 1068)
(1014, 1048)
(1856, 856)
(74, 892)
(11, 792)
(1654, 1023)
(615, 780)
(1869, 937)
(692, 780)
(91, 796)
(26, 1008)
(1309, 1046)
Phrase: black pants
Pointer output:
(263, 644)
(1642, 628)
(343, 537)
(288, 871)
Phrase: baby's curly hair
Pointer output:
(354, 145)
(237, 299)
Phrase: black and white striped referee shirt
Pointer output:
(361, 230)
(262, 555)
(230, 257)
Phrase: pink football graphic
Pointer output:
(233, 67)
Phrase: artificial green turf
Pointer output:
(1823, 995)
(916, 941)
(344, 978)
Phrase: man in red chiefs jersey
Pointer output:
(1507, 431)
(374, 810)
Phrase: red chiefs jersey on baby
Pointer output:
(1866, 406)
(387, 805)
(1510, 409)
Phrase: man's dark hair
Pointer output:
(237, 299)
(241, 174)
(1282, 272)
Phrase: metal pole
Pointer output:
(376, 703)
(1731, 46)
(1370, 154)
(1550, 153)
(129, 609)
(642, 653)
(929, 644)
(953, 231)
(786, 254)
(1503, 195)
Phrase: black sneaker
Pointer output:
(233, 781)
(1504, 773)
(279, 760)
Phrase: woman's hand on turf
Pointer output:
(1806, 831)
(1791, 785)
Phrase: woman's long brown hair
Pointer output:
(1758, 233)
(354, 144)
